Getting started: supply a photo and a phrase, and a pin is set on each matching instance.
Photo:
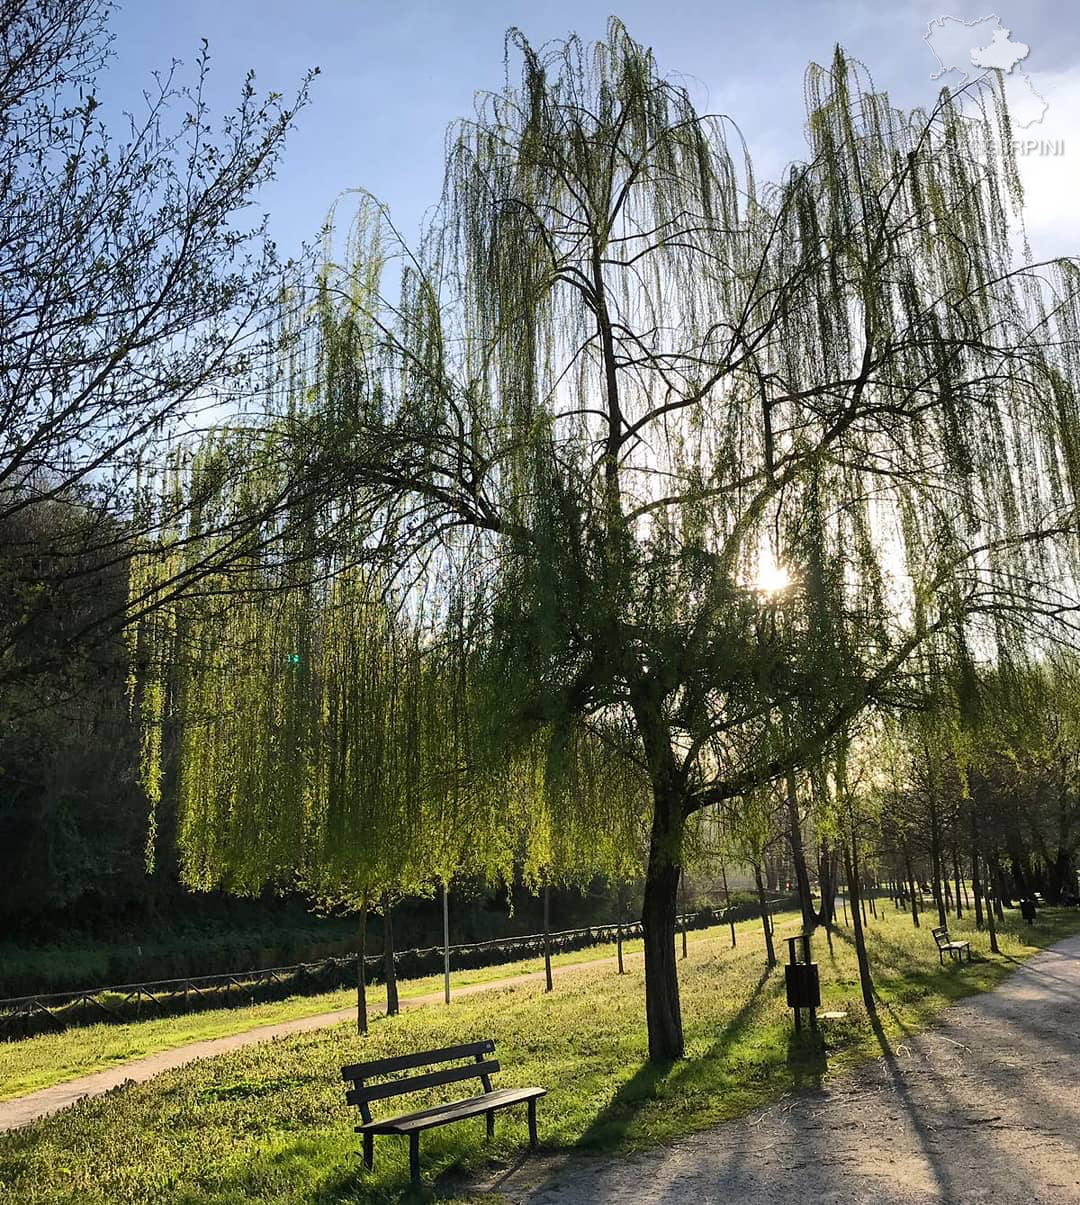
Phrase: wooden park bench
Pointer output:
(944, 942)
(482, 1068)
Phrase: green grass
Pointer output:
(55, 1058)
(269, 1123)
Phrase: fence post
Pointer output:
(547, 938)
(446, 940)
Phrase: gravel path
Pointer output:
(985, 1107)
(24, 1109)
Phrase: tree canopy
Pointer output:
(661, 477)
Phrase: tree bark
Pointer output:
(997, 879)
(936, 868)
(956, 876)
(851, 866)
(766, 919)
(389, 968)
(976, 890)
(991, 922)
(976, 882)
(663, 1013)
(361, 972)
(798, 857)
(1061, 877)
(911, 889)
(827, 880)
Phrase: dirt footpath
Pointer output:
(983, 1108)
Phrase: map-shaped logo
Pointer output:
(987, 45)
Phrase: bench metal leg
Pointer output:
(369, 1151)
(414, 1156)
(532, 1122)
(489, 1116)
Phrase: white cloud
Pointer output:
(1050, 169)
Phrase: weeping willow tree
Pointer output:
(681, 470)
(315, 721)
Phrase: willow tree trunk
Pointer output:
(798, 857)
(663, 1013)
(361, 973)
(851, 868)
(389, 967)
(956, 877)
(766, 919)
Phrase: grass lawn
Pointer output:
(269, 1123)
(48, 1059)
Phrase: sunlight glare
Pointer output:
(772, 578)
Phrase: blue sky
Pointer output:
(394, 75)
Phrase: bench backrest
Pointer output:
(363, 1093)
(941, 936)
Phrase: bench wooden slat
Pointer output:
(421, 1058)
(414, 1083)
(454, 1111)
(941, 936)
(413, 1124)
(946, 945)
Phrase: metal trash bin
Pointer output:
(802, 981)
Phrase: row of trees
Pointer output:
(637, 488)
(977, 784)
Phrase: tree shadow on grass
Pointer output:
(806, 1059)
(894, 967)
(611, 1125)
